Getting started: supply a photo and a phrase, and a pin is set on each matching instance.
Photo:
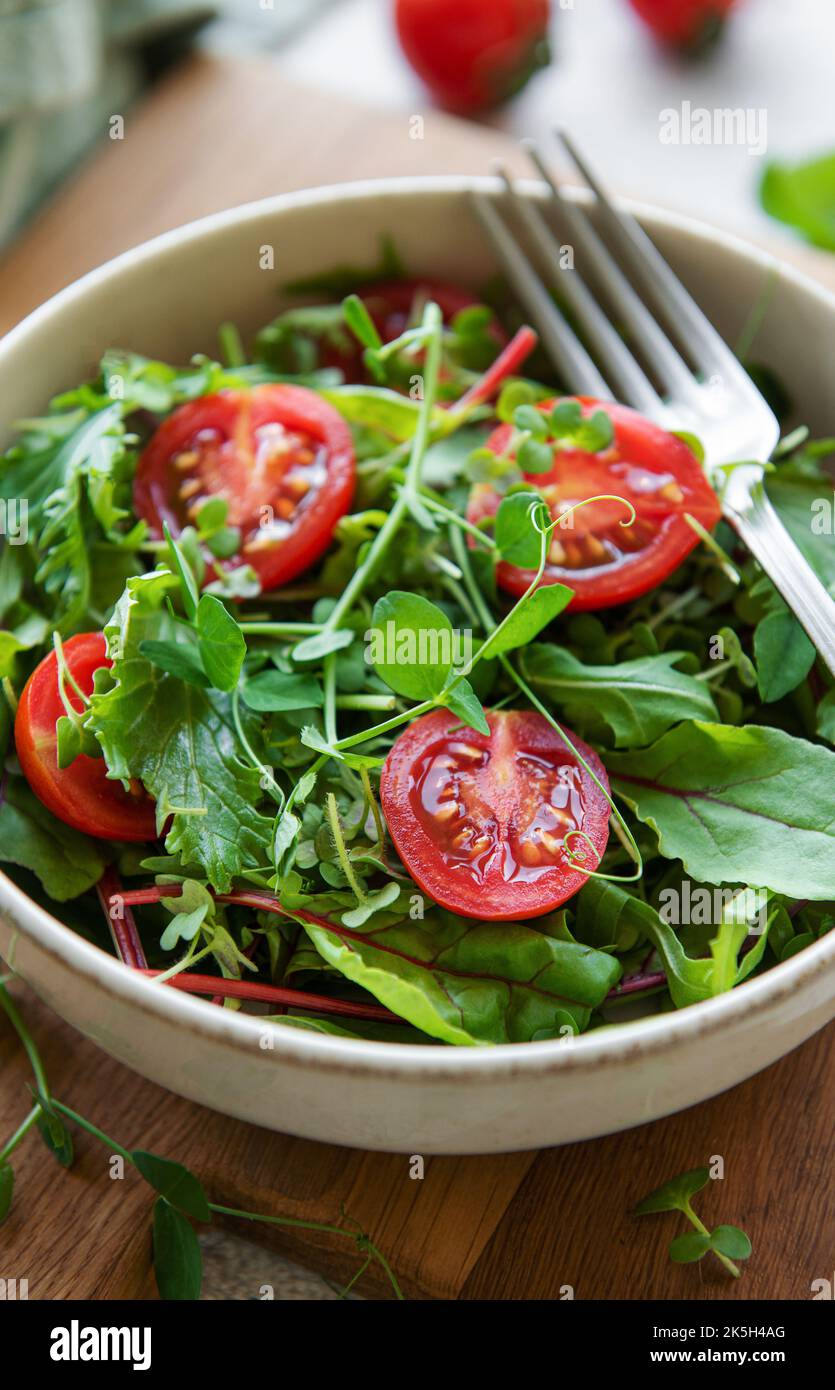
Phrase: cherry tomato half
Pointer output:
(474, 53)
(81, 795)
(393, 306)
(480, 821)
(282, 458)
(688, 24)
(604, 562)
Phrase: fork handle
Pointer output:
(759, 526)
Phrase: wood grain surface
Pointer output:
(521, 1225)
(526, 1225)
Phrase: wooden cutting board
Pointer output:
(519, 1225)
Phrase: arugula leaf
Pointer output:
(66, 862)
(639, 699)
(746, 804)
(464, 982)
(179, 741)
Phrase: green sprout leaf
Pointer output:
(178, 1262)
(174, 1182)
(518, 541)
(686, 1249)
(731, 1241)
(674, 1195)
(411, 645)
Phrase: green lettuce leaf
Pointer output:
(179, 741)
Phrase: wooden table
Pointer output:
(514, 1226)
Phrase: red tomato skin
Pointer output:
(81, 795)
(687, 24)
(472, 54)
(641, 441)
(297, 408)
(390, 302)
(497, 900)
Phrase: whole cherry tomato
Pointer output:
(685, 24)
(474, 54)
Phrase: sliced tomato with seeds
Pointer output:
(280, 456)
(82, 795)
(480, 821)
(603, 561)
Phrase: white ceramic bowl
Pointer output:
(166, 299)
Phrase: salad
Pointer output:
(363, 679)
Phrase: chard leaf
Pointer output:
(463, 982)
(639, 700)
(746, 804)
(179, 741)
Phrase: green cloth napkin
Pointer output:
(67, 67)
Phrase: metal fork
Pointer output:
(716, 399)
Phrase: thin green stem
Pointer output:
(332, 814)
(280, 629)
(20, 1133)
(411, 485)
(28, 1042)
(356, 1277)
(370, 702)
(268, 781)
(93, 1129)
(459, 550)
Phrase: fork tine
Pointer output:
(634, 387)
(644, 260)
(671, 369)
(564, 348)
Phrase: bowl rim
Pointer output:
(616, 1045)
